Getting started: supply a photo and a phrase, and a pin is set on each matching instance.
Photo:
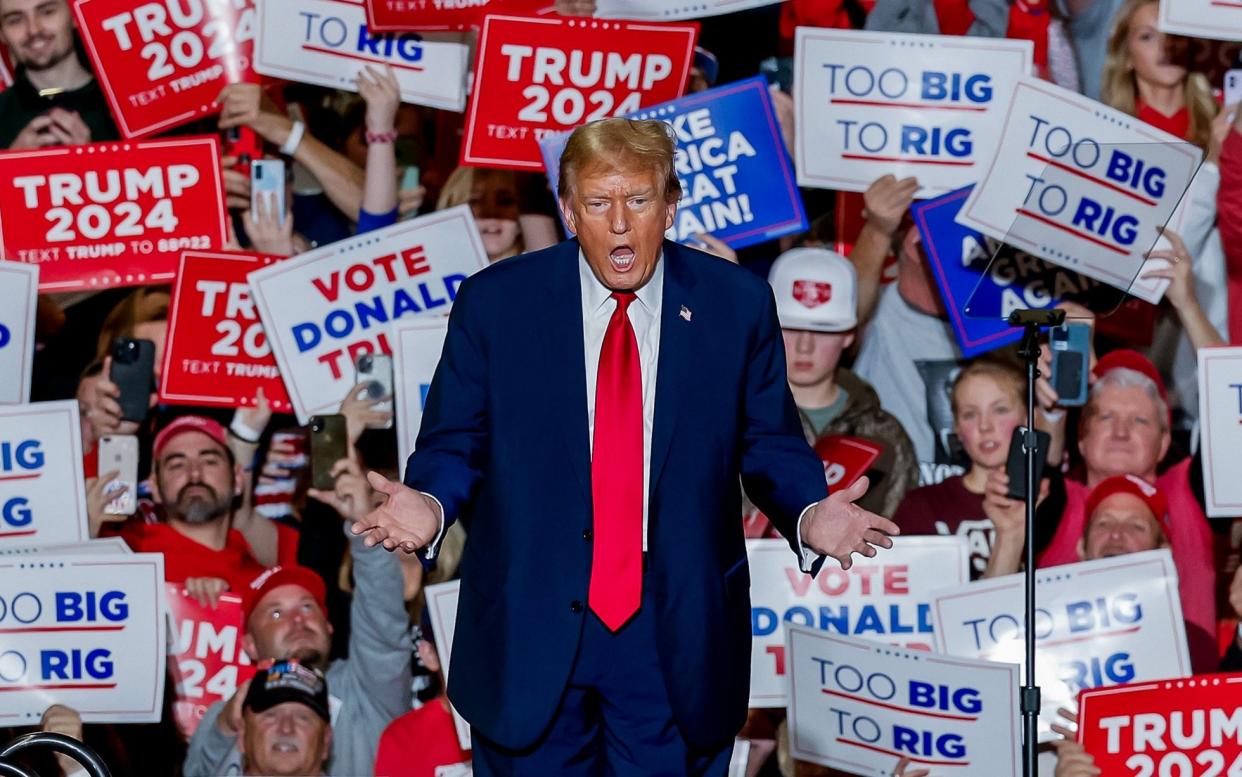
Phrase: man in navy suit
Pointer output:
(593, 409)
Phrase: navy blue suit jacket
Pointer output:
(504, 446)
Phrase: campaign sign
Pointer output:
(845, 460)
(103, 545)
(442, 605)
(208, 660)
(536, 75)
(217, 354)
(327, 42)
(83, 631)
(19, 291)
(871, 103)
(429, 15)
(882, 600)
(324, 308)
(1216, 19)
(111, 214)
(1097, 623)
(416, 352)
(1185, 726)
(860, 707)
(979, 292)
(162, 63)
(672, 10)
(1079, 184)
(736, 179)
(1220, 402)
(42, 497)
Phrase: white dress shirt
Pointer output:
(644, 315)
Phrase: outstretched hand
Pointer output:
(407, 519)
(839, 528)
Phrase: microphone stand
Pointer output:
(1028, 349)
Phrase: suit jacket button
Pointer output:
(588, 535)
(575, 606)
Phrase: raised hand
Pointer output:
(407, 519)
(839, 528)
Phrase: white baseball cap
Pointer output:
(815, 289)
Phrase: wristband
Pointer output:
(294, 140)
(242, 431)
(381, 137)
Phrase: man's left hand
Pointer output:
(839, 528)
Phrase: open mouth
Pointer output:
(622, 258)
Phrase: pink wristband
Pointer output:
(381, 137)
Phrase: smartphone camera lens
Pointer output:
(316, 425)
(364, 362)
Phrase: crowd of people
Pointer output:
(349, 682)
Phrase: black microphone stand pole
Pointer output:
(1031, 321)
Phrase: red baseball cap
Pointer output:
(1132, 360)
(191, 423)
(1131, 484)
(277, 576)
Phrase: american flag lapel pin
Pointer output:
(685, 313)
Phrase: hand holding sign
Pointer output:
(887, 199)
(839, 528)
(408, 518)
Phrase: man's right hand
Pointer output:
(407, 519)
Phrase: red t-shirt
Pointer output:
(184, 557)
(947, 508)
(420, 742)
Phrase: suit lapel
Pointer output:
(564, 359)
(676, 347)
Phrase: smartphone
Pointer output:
(1015, 467)
(119, 452)
(1233, 87)
(1071, 360)
(375, 369)
(133, 371)
(267, 177)
(328, 446)
(409, 181)
(242, 143)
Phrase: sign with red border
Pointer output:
(111, 214)
(535, 76)
(163, 63)
(217, 354)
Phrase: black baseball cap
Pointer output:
(288, 680)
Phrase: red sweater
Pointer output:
(1229, 221)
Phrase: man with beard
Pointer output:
(195, 480)
(54, 100)
(285, 616)
(287, 729)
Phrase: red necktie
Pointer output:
(617, 473)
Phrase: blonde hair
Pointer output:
(1120, 90)
(1003, 373)
(610, 143)
(459, 187)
